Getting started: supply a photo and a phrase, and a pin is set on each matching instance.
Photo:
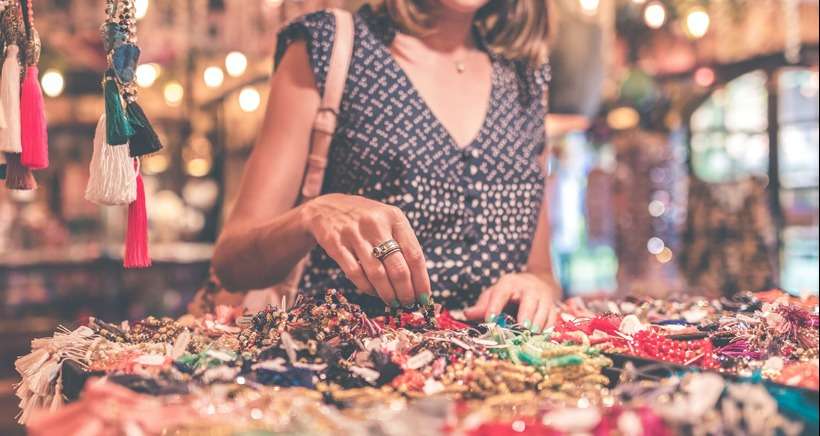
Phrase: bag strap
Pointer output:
(324, 125)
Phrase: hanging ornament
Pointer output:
(34, 134)
(123, 133)
(16, 174)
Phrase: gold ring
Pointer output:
(385, 249)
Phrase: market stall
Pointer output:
(741, 366)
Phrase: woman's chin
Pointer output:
(463, 6)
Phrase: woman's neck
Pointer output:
(453, 32)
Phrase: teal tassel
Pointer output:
(118, 129)
(2, 171)
(145, 139)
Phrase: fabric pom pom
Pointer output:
(18, 177)
(118, 129)
(136, 238)
(112, 180)
(145, 139)
(10, 141)
(33, 122)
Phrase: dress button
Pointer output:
(475, 153)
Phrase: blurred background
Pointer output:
(684, 153)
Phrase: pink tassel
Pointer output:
(33, 122)
(136, 237)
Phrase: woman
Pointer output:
(439, 148)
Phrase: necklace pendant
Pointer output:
(460, 67)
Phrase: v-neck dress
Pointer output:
(474, 209)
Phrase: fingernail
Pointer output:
(492, 317)
(424, 299)
(395, 304)
(535, 329)
(527, 324)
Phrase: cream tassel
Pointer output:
(10, 140)
(113, 179)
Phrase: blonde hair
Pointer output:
(513, 29)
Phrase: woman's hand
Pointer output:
(535, 297)
(347, 227)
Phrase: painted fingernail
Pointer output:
(526, 324)
(535, 329)
(492, 317)
(395, 304)
(424, 299)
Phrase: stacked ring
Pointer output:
(385, 249)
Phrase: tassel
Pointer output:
(136, 238)
(145, 139)
(10, 99)
(2, 164)
(18, 176)
(111, 180)
(33, 122)
(118, 129)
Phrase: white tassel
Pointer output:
(10, 140)
(113, 180)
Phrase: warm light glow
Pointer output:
(140, 8)
(173, 93)
(655, 245)
(52, 83)
(654, 15)
(198, 167)
(697, 23)
(147, 74)
(665, 256)
(273, 3)
(213, 77)
(155, 163)
(622, 118)
(249, 99)
(589, 7)
(704, 77)
(236, 63)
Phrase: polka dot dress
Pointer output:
(474, 209)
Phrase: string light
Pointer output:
(665, 256)
(147, 74)
(654, 15)
(697, 23)
(249, 99)
(140, 8)
(213, 77)
(173, 93)
(622, 118)
(52, 83)
(590, 7)
(655, 245)
(236, 63)
(656, 208)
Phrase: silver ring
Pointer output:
(385, 249)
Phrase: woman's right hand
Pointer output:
(347, 227)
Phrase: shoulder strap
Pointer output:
(324, 124)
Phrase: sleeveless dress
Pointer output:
(474, 209)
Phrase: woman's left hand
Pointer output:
(535, 297)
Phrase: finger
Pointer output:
(541, 315)
(414, 256)
(477, 311)
(375, 272)
(498, 301)
(554, 314)
(352, 269)
(399, 274)
(527, 308)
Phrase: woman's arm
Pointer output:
(265, 237)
